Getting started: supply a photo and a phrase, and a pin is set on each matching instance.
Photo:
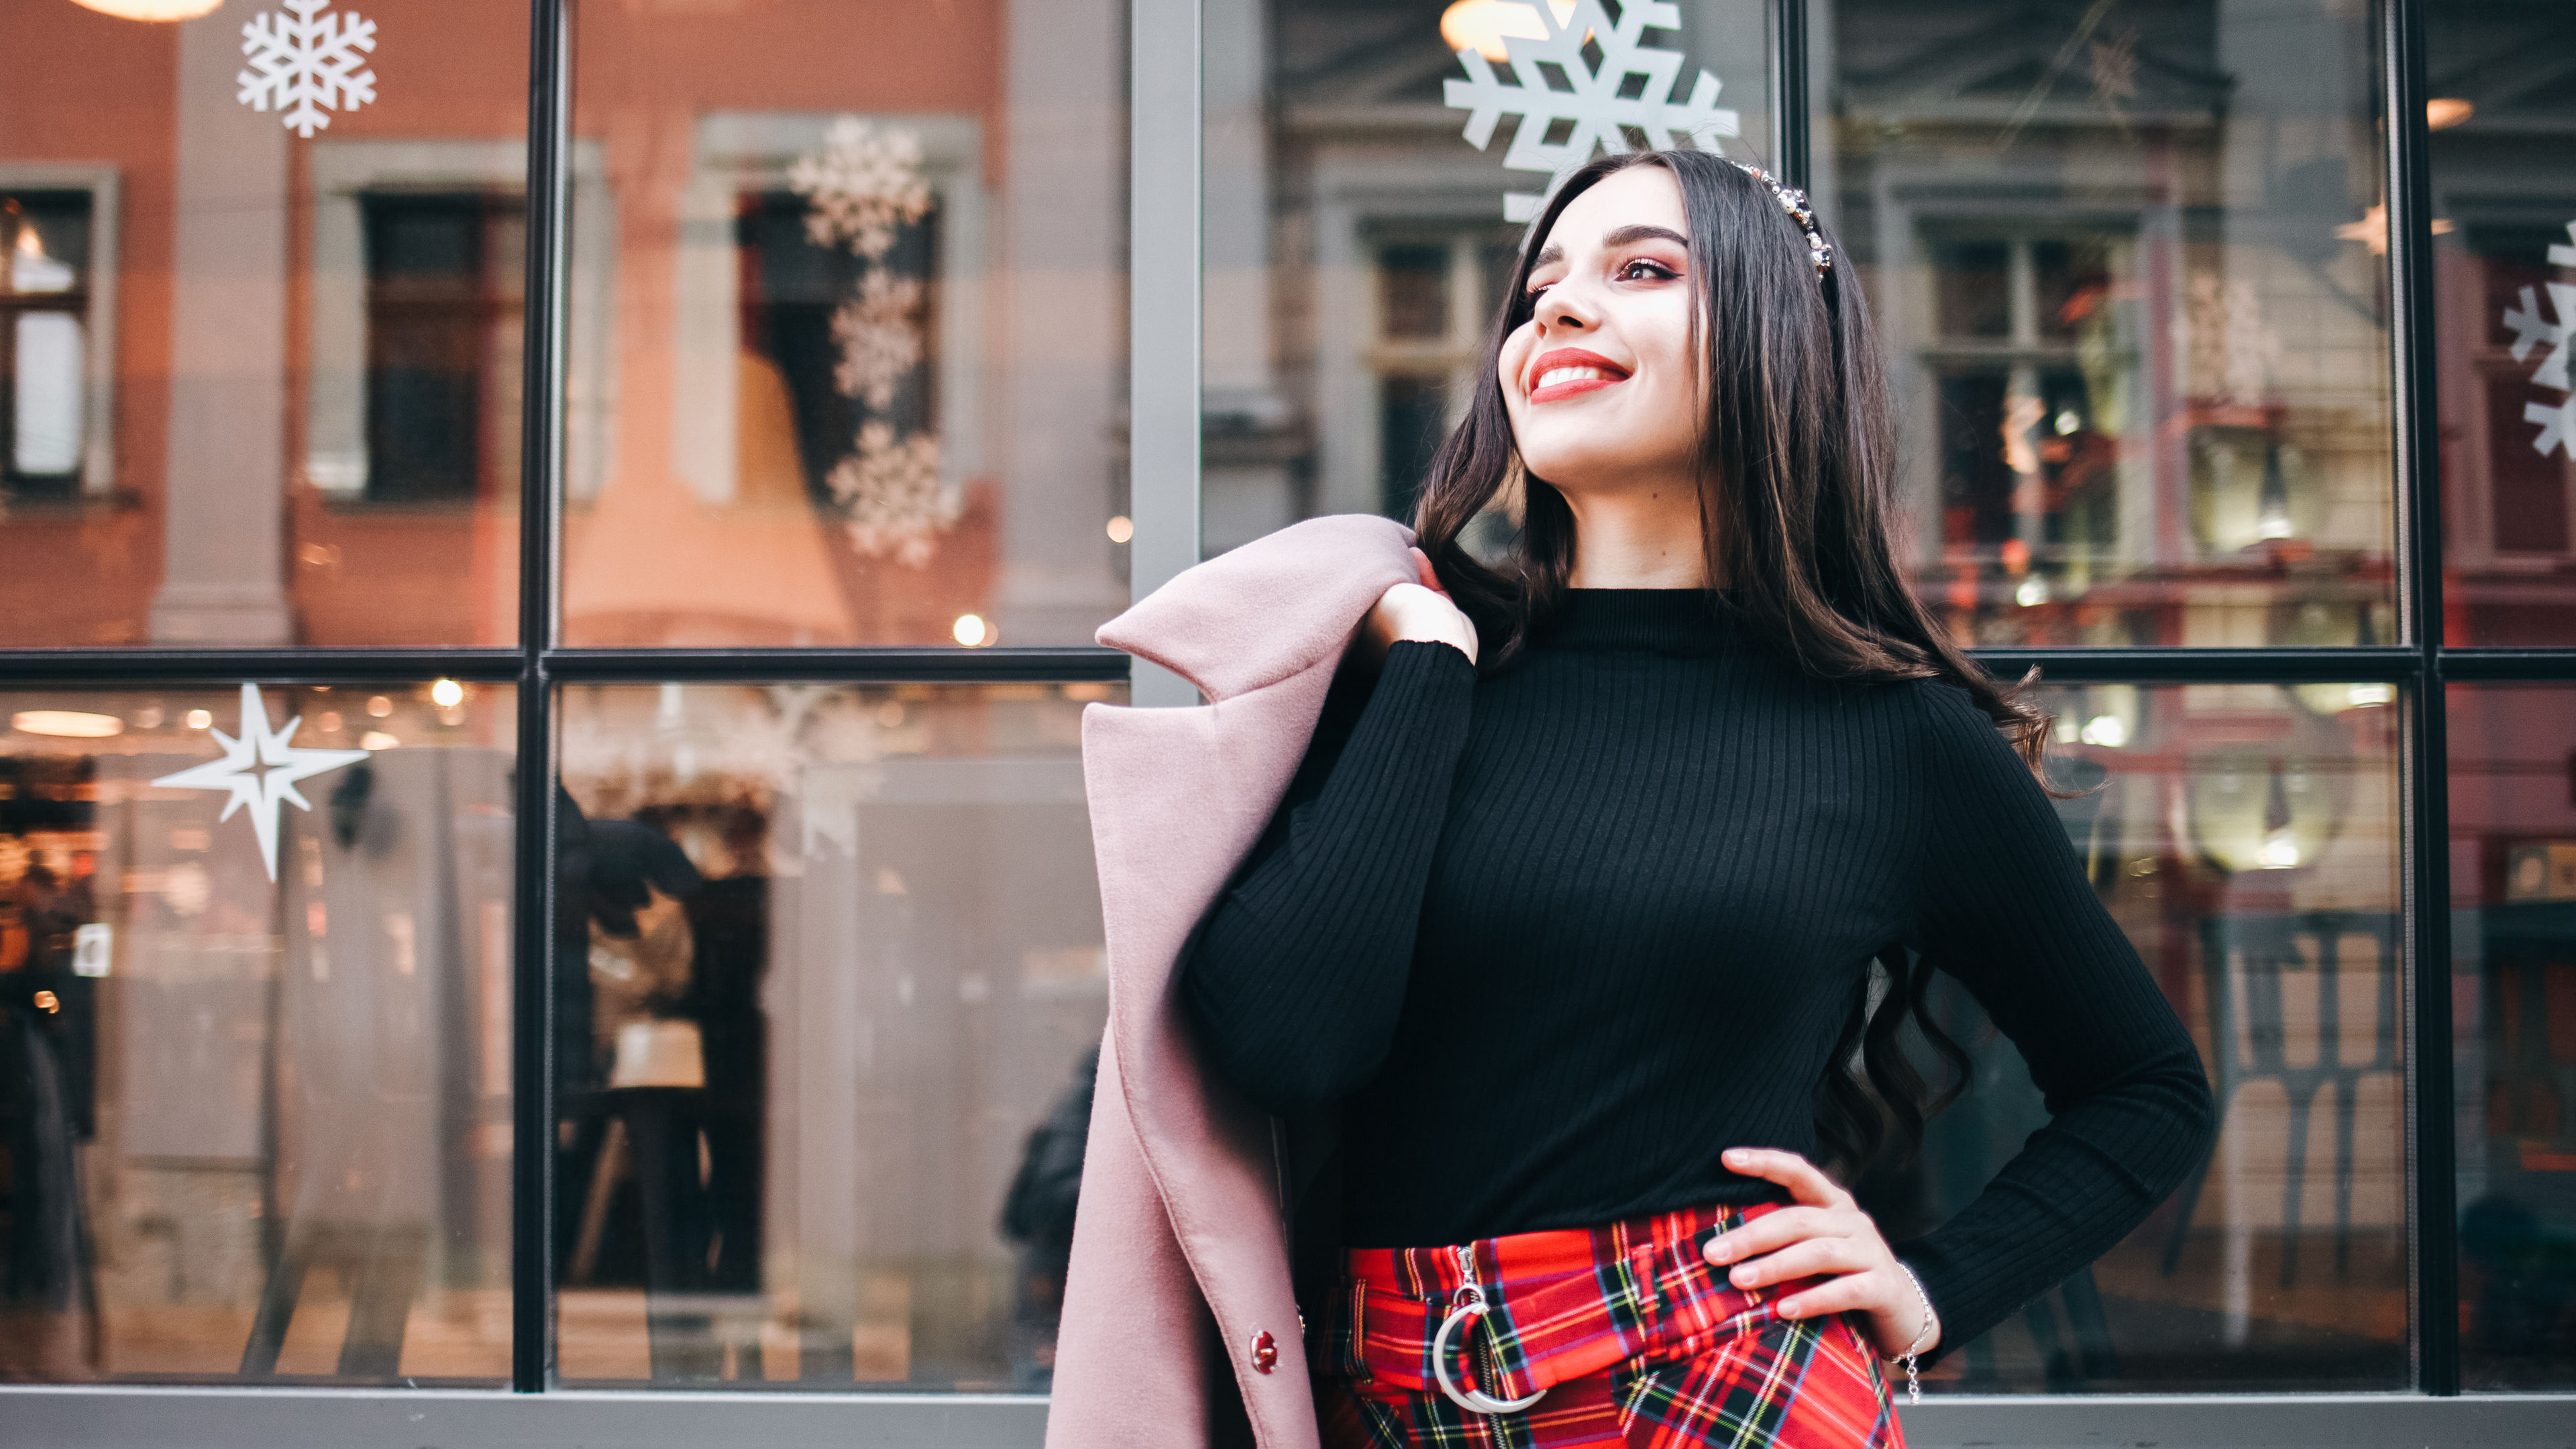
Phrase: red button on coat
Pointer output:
(1265, 1352)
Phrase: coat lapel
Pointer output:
(1177, 797)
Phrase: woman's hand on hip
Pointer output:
(1419, 611)
(1823, 1234)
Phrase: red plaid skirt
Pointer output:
(1636, 1340)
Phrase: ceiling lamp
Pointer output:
(152, 9)
(2443, 112)
(69, 724)
(1482, 25)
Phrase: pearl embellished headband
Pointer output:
(1794, 202)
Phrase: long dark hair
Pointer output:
(1798, 517)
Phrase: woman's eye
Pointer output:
(1642, 270)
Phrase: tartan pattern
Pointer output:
(1638, 1342)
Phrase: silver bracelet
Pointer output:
(1922, 1337)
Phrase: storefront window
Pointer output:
(255, 1034)
(259, 350)
(835, 298)
(854, 368)
(2129, 263)
(2513, 943)
(830, 981)
(2246, 836)
(2504, 257)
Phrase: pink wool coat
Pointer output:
(1178, 1300)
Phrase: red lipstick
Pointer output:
(1554, 358)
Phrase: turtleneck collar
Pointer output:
(1656, 621)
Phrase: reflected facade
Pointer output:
(2513, 963)
(2128, 261)
(847, 357)
(2247, 838)
(829, 987)
(259, 368)
(2504, 257)
(1358, 241)
(255, 1057)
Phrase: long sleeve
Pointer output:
(1298, 975)
(2005, 907)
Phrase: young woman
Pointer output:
(1571, 913)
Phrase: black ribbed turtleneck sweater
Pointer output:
(1556, 937)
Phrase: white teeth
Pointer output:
(1555, 375)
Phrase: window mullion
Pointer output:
(1163, 309)
(2431, 1131)
(540, 490)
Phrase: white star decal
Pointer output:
(260, 770)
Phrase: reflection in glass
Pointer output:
(2513, 946)
(830, 978)
(1357, 244)
(259, 381)
(2246, 837)
(2504, 256)
(2128, 263)
(255, 1082)
(856, 364)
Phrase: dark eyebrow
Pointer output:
(1620, 237)
(1631, 235)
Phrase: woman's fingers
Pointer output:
(1812, 1258)
(1429, 576)
(1775, 1230)
(1804, 1180)
(1852, 1291)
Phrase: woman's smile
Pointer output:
(1565, 372)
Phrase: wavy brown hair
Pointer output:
(1798, 518)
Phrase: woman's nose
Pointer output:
(1559, 311)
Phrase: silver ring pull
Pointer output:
(1471, 1304)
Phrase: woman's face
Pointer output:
(1602, 383)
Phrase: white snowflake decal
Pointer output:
(2530, 330)
(1632, 88)
(305, 63)
(892, 491)
(879, 344)
(865, 183)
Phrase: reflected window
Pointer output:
(2123, 261)
(2246, 837)
(255, 1057)
(45, 328)
(444, 277)
(2513, 833)
(866, 375)
(830, 981)
(259, 376)
(1436, 296)
(2504, 258)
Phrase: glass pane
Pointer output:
(2513, 1002)
(2128, 262)
(1358, 241)
(2504, 257)
(827, 1010)
(260, 344)
(855, 367)
(255, 1033)
(2247, 838)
